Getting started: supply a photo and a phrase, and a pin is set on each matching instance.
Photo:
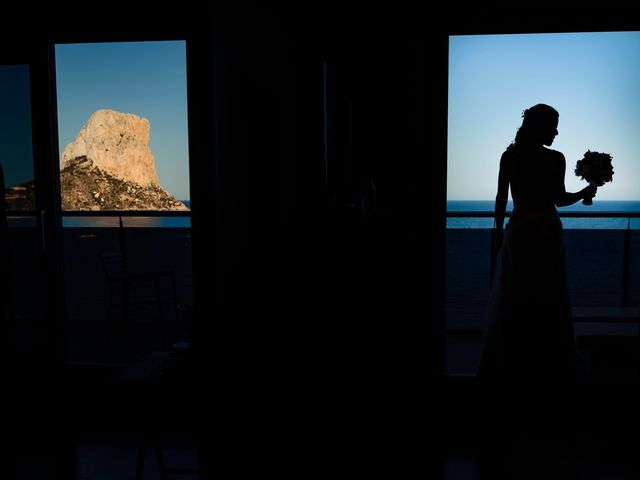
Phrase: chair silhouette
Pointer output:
(164, 470)
(119, 278)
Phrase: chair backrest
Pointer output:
(114, 265)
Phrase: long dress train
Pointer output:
(529, 331)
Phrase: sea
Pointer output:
(599, 207)
(603, 262)
(471, 206)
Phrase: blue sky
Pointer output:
(148, 79)
(592, 79)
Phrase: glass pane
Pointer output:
(492, 80)
(122, 117)
(20, 253)
(16, 151)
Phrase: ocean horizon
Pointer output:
(598, 207)
(471, 206)
(130, 222)
(111, 221)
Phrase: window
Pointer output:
(591, 79)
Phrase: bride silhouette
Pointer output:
(529, 334)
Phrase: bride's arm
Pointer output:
(503, 192)
(561, 197)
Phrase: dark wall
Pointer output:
(325, 311)
(285, 234)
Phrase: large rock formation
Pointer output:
(109, 166)
(118, 144)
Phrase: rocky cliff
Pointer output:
(87, 187)
(109, 166)
(118, 144)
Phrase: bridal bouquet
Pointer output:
(595, 168)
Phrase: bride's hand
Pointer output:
(589, 191)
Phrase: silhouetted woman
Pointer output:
(529, 334)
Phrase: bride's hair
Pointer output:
(536, 122)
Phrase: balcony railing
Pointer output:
(603, 261)
(107, 213)
(626, 239)
(145, 246)
(141, 218)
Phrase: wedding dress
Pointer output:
(529, 333)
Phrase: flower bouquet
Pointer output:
(595, 168)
